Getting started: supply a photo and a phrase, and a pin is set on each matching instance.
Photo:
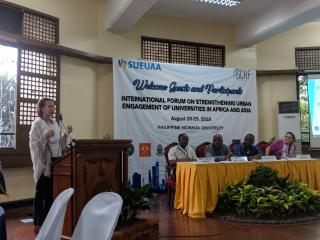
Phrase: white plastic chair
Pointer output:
(99, 217)
(51, 229)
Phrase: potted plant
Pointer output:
(266, 197)
(135, 201)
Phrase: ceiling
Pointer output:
(203, 11)
(253, 20)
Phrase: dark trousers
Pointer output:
(43, 199)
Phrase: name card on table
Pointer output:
(272, 157)
(304, 157)
(206, 160)
(219, 158)
(239, 159)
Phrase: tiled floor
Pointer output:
(173, 225)
(16, 230)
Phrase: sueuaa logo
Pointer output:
(151, 66)
(122, 63)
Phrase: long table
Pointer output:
(198, 184)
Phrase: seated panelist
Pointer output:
(283, 148)
(182, 152)
(247, 148)
(217, 148)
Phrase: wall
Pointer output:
(278, 53)
(129, 44)
(105, 101)
(78, 20)
(82, 26)
(78, 29)
(272, 89)
(79, 99)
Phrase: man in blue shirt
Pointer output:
(247, 148)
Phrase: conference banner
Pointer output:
(155, 102)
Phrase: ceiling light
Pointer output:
(227, 3)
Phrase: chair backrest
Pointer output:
(99, 217)
(200, 150)
(166, 151)
(51, 229)
(232, 147)
(262, 147)
(3, 231)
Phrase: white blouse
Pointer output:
(41, 149)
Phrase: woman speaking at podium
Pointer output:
(46, 145)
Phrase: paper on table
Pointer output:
(26, 220)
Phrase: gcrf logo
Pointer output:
(122, 63)
(242, 74)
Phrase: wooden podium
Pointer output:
(93, 166)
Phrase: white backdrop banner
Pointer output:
(155, 102)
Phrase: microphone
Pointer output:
(59, 117)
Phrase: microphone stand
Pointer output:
(72, 141)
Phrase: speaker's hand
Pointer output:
(49, 134)
(69, 129)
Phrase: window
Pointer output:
(32, 75)
(8, 95)
(308, 58)
(38, 78)
(163, 50)
(302, 81)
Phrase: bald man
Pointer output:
(182, 152)
(217, 148)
